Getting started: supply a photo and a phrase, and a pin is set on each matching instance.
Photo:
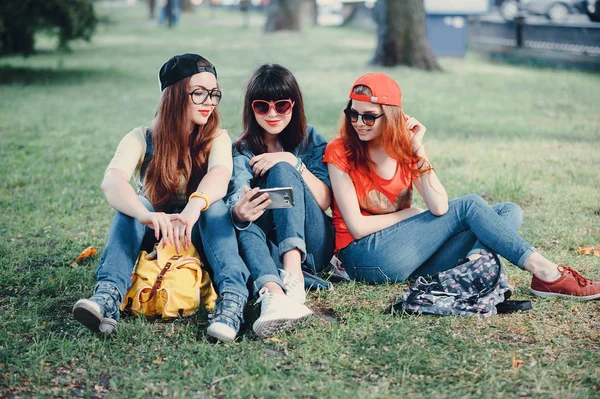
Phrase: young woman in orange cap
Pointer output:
(182, 165)
(373, 166)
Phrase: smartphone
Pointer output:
(281, 197)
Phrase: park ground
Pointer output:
(508, 133)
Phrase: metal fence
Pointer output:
(581, 40)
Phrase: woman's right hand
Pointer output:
(248, 209)
(161, 223)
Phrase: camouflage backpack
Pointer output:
(473, 288)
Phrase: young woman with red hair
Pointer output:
(374, 165)
(182, 166)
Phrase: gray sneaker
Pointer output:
(91, 315)
(227, 317)
(101, 311)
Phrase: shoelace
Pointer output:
(263, 294)
(291, 282)
(581, 280)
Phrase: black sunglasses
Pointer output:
(368, 119)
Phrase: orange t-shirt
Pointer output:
(376, 196)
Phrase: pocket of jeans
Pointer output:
(371, 275)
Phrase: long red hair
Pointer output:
(177, 152)
(395, 140)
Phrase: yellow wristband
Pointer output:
(196, 194)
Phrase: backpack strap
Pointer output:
(478, 284)
(160, 276)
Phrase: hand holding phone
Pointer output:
(250, 206)
(281, 197)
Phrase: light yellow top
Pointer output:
(130, 152)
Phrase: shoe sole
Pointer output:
(220, 333)
(556, 295)
(269, 328)
(87, 315)
(92, 320)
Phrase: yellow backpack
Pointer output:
(168, 285)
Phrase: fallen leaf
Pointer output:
(86, 253)
(516, 363)
(588, 250)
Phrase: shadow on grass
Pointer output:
(10, 75)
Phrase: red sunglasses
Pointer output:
(281, 107)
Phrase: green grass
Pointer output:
(509, 133)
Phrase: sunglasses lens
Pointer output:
(260, 107)
(283, 107)
(351, 115)
(368, 119)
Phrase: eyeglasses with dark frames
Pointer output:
(368, 119)
(281, 107)
(199, 96)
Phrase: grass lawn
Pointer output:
(509, 133)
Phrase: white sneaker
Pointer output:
(294, 288)
(278, 313)
(222, 332)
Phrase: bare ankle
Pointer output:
(273, 288)
(542, 268)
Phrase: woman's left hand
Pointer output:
(182, 228)
(418, 132)
(261, 164)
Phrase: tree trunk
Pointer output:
(314, 12)
(282, 15)
(402, 35)
(186, 6)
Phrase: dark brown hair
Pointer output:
(177, 152)
(272, 82)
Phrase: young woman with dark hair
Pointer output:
(380, 238)
(182, 165)
(278, 149)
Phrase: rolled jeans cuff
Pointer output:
(110, 288)
(232, 290)
(267, 278)
(528, 252)
(292, 243)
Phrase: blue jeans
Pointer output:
(213, 236)
(426, 244)
(304, 227)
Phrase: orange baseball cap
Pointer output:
(385, 90)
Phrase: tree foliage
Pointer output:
(20, 20)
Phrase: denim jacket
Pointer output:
(311, 152)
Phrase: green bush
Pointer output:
(20, 20)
